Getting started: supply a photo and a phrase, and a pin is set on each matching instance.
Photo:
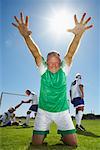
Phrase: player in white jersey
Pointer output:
(77, 99)
(7, 118)
(34, 105)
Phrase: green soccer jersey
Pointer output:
(53, 95)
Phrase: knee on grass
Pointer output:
(38, 139)
(70, 141)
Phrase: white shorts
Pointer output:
(62, 119)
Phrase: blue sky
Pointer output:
(18, 71)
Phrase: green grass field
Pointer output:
(18, 138)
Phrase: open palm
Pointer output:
(22, 25)
(80, 27)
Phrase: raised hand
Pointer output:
(80, 27)
(22, 25)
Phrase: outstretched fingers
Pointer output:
(87, 21)
(17, 20)
(83, 18)
(88, 27)
(22, 17)
(26, 21)
(75, 19)
(21, 21)
(15, 25)
(80, 26)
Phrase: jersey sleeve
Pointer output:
(65, 67)
(34, 99)
(79, 82)
(43, 67)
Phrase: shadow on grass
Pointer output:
(51, 147)
(87, 133)
(16, 127)
(21, 127)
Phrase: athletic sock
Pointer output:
(78, 117)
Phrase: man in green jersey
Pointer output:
(53, 106)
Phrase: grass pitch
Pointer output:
(19, 138)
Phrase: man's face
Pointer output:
(53, 63)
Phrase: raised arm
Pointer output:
(78, 30)
(22, 26)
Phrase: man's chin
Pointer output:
(54, 70)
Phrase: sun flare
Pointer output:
(60, 21)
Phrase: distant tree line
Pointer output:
(85, 116)
(89, 116)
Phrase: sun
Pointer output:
(60, 21)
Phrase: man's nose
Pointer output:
(54, 64)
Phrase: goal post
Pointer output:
(7, 93)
